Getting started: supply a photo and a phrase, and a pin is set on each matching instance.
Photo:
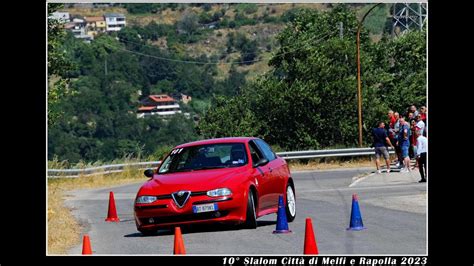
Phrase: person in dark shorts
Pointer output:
(381, 141)
(404, 143)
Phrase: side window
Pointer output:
(255, 152)
(267, 151)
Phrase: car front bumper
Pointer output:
(165, 213)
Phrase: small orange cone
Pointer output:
(86, 245)
(310, 246)
(178, 242)
(112, 214)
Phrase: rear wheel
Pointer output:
(251, 219)
(290, 203)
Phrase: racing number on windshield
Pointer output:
(176, 151)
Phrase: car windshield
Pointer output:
(201, 157)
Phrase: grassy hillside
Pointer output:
(268, 25)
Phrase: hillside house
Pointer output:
(162, 105)
(95, 25)
(63, 17)
(114, 21)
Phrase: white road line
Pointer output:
(360, 179)
(362, 188)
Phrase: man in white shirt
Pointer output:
(421, 149)
(420, 124)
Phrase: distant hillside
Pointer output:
(265, 22)
(258, 22)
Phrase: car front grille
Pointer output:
(185, 217)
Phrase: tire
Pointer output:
(251, 216)
(290, 205)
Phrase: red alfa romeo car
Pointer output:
(226, 180)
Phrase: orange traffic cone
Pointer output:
(86, 245)
(112, 214)
(178, 242)
(310, 246)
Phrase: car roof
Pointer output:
(217, 140)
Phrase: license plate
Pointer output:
(205, 208)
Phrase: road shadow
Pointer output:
(201, 228)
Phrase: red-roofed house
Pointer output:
(161, 104)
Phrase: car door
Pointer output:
(277, 180)
(262, 177)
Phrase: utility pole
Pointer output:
(408, 16)
(359, 89)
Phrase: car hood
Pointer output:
(201, 180)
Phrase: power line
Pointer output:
(216, 63)
(225, 53)
(155, 47)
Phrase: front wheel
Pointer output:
(251, 219)
(290, 203)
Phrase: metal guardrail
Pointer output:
(328, 153)
(104, 169)
(290, 155)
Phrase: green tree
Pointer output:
(188, 24)
(58, 66)
(308, 100)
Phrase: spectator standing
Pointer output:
(410, 116)
(424, 116)
(422, 113)
(413, 110)
(381, 141)
(391, 124)
(421, 151)
(404, 143)
(391, 118)
(413, 128)
(420, 124)
(396, 129)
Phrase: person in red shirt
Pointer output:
(423, 113)
(391, 124)
(392, 119)
(413, 138)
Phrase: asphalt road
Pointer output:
(393, 209)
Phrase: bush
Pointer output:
(269, 19)
(206, 7)
(248, 8)
(205, 18)
(161, 152)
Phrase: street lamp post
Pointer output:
(359, 89)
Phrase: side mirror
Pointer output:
(149, 172)
(261, 162)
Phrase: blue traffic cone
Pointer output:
(356, 218)
(282, 222)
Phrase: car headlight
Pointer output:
(145, 199)
(219, 192)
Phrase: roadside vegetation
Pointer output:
(64, 231)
